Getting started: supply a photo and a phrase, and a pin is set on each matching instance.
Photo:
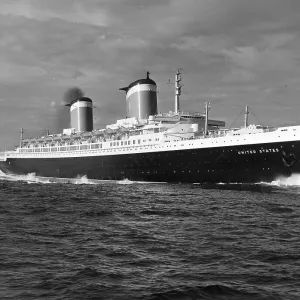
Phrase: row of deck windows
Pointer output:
(124, 143)
(132, 142)
(61, 148)
(82, 147)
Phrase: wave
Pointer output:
(281, 182)
(235, 186)
(125, 181)
(84, 180)
(32, 178)
(209, 292)
(29, 178)
(291, 181)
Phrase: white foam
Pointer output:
(125, 181)
(83, 180)
(29, 178)
(293, 180)
(32, 178)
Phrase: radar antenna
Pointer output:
(21, 137)
(178, 87)
(246, 116)
(207, 108)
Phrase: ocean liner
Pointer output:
(157, 147)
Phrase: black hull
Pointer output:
(241, 164)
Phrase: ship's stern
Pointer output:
(3, 162)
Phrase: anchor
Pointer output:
(289, 159)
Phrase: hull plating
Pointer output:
(250, 163)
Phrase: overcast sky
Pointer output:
(232, 52)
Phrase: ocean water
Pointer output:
(82, 239)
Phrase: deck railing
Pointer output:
(87, 142)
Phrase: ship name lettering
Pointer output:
(247, 152)
(274, 150)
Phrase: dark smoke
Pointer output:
(62, 112)
(72, 94)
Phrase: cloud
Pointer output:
(246, 57)
(68, 10)
(269, 54)
(11, 72)
(247, 50)
(232, 16)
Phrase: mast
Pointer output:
(21, 137)
(246, 116)
(207, 108)
(178, 87)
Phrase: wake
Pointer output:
(79, 180)
(291, 181)
(29, 178)
(32, 178)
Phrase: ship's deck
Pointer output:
(160, 143)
